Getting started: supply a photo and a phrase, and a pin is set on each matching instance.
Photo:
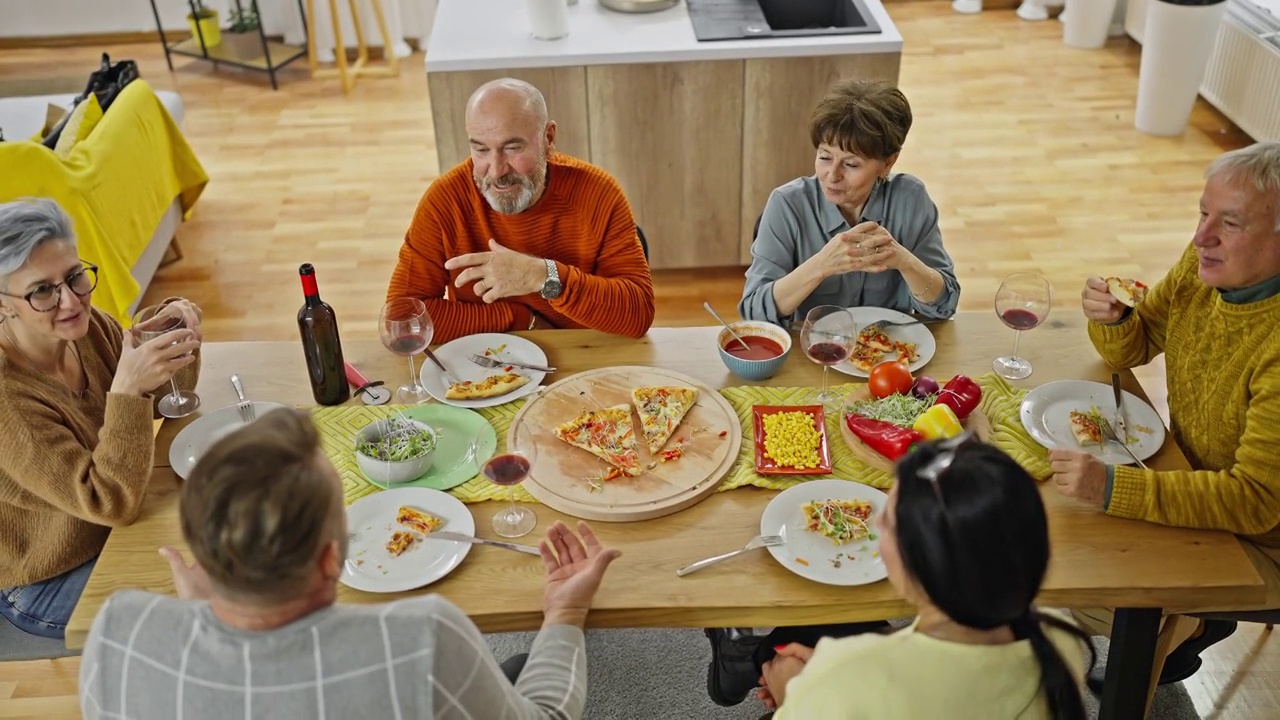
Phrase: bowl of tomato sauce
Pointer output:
(767, 348)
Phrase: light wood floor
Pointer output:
(1027, 147)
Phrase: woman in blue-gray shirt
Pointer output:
(851, 234)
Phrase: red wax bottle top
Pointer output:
(308, 274)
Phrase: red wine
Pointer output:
(318, 325)
(408, 345)
(827, 353)
(1020, 319)
(507, 469)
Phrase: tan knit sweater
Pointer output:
(70, 467)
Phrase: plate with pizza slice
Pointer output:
(628, 443)
(1068, 414)
(476, 386)
(388, 548)
(912, 344)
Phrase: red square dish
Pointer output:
(767, 466)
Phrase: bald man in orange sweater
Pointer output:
(520, 236)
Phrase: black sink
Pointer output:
(741, 19)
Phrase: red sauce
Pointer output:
(758, 348)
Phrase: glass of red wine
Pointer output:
(150, 323)
(1022, 302)
(508, 470)
(406, 329)
(828, 337)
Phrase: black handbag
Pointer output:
(106, 83)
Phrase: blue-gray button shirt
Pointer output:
(798, 221)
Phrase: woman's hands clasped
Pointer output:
(867, 247)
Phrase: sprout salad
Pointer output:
(402, 440)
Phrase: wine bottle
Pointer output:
(318, 325)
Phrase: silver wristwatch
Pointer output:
(552, 287)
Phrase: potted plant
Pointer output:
(1178, 38)
(204, 24)
(244, 20)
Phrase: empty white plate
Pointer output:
(194, 439)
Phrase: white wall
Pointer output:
(27, 18)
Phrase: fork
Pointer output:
(247, 413)
(756, 543)
(1109, 434)
(483, 361)
(882, 324)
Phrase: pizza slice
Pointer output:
(1086, 428)
(1128, 292)
(661, 409)
(399, 542)
(871, 347)
(493, 386)
(607, 434)
(419, 520)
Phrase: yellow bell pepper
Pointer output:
(938, 423)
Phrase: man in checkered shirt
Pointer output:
(257, 632)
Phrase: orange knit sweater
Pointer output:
(582, 221)
(70, 467)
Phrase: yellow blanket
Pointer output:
(116, 184)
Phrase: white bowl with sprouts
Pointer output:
(395, 450)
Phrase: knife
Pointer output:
(447, 375)
(459, 537)
(1120, 424)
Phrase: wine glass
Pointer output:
(828, 337)
(406, 329)
(150, 323)
(510, 469)
(1022, 302)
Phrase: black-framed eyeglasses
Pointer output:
(939, 464)
(45, 298)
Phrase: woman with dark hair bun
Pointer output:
(965, 539)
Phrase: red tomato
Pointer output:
(889, 377)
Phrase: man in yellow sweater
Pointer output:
(1216, 317)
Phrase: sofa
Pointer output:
(110, 183)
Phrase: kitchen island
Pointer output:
(697, 133)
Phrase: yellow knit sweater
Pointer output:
(1224, 403)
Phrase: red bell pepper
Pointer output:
(962, 394)
(885, 438)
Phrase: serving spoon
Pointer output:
(716, 315)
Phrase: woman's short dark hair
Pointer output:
(867, 117)
(976, 540)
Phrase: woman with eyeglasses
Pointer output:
(76, 439)
(964, 538)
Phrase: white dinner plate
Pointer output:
(1046, 412)
(926, 346)
(456, 356)
(859, 561)
(371, 521)
(194, 439)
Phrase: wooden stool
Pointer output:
(349, 75)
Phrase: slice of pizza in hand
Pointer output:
(493, 386)
(661, 411)
(1128, 292)
(1086, 429)
(419, 520)
(607, 434)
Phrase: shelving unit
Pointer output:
(252, 51)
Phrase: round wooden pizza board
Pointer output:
(977, 421)
(560, 478)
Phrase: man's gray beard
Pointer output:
(513, 205)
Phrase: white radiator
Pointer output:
(1243, 76)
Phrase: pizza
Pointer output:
(875, 346)
(1128, 292)
(418, 520)
(839, 520)
(661, 409)
(607, 434)
(492, 386)
(1086, 427)
(399, 542)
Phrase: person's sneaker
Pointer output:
(731, 674)
(1185, 660)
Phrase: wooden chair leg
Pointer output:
(172, 254)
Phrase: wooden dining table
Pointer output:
(1097, 561)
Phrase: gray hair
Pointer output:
(1257, 164)
(27, 224)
